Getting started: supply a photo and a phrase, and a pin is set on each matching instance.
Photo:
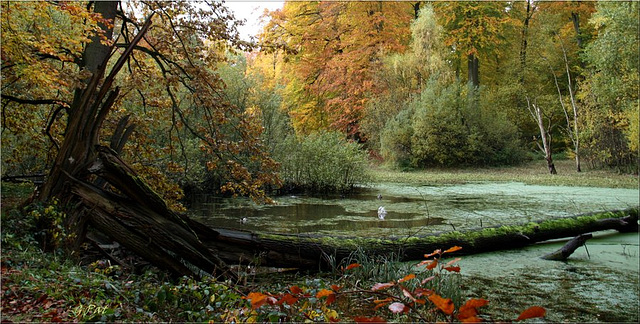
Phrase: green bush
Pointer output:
(446, 126)
(321, 163)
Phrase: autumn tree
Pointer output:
(126, 65)
(331, 50)
(474, 31)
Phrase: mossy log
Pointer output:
(318, 252)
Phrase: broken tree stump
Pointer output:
(564, 252)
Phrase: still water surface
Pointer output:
(594, 286)
(412, 209)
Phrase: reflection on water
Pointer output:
(600, 286)
(412, 209)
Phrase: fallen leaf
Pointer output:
(397, 307)
(324, 292)
(364, 319)
(432, 265)
(287, 299)
(295, 290)
(532, 312)
(353, 265)
(407, 277)
(444, 304)
(380, 286)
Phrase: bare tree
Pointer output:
(545, 135)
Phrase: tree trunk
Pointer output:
(537, 115)
(473, 66)
(312, 252)
(568, 249)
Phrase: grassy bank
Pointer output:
(533, 173)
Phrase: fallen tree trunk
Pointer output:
(565, 251)
(317, 252)
(140, 220)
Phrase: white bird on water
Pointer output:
(381, 213)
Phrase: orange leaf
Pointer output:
(468, 312)
(295, 290)
(432, 265)
(386, 300)
(397, 307)
(257, 299)
(532, 312)
(438, 251)
(407, 277)
(353, 265)
(380, 286)
(364, 319)
(453, 249)
(444, 304)
(323, 293)
(335, 288)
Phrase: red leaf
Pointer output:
(407, 277)
(364, 319)
(453, 269)
(331, 298)
(453, 249)
(397, 307)
(288, 299)
(353, 265)
(444, 304)
(335, 288)
(380, 286)
(532, 312)
(296, 290)
(432, 265)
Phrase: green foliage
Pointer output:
(446, 127)
(322, 162)
(610, 91)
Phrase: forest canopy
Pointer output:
(415, 84)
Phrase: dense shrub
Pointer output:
(321, 162)
(448, 126)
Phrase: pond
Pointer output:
(598, 285)
(412, 210)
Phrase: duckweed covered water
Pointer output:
(413, 210)
(598, 286)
